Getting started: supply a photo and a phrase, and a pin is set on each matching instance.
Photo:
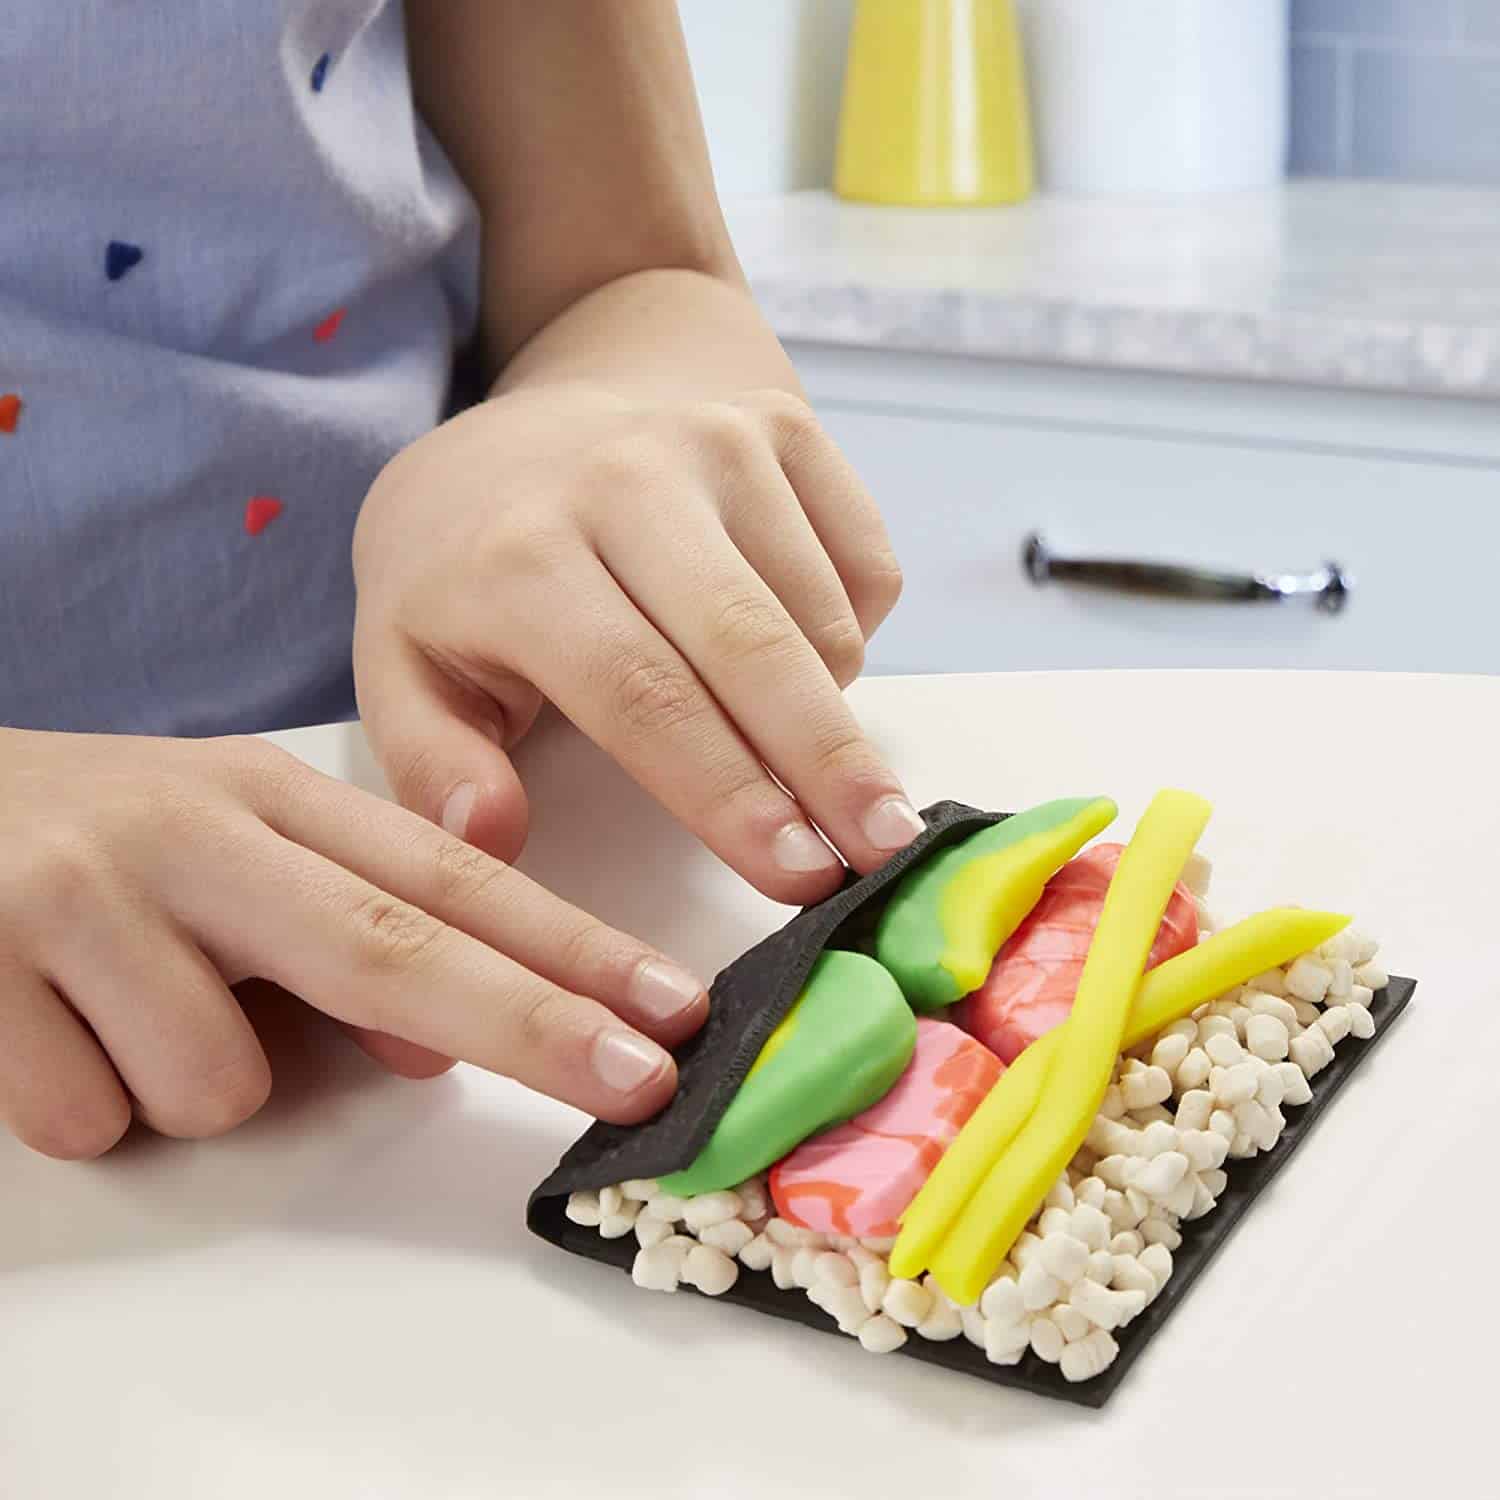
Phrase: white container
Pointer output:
(1158, 96)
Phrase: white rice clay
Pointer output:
(1210, 1090)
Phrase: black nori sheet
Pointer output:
(749, 999)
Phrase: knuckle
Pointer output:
(744, 797)
(464, 875)
(414, 772)
(521, 550)
(881, 582)
(726, 430)
(652, 696)
(542, 1017)
(839, 750)
(263, 773)
(392, 936)
(747, 629)
(842, 647)
(255, 756)
(586, 954)
(64, 875)
(627, 464)
(789, 412)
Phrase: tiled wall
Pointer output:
(1397, 88)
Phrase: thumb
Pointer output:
(439, 743)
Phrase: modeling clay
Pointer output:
(1096, 1270)
(948, 917)
(1031, 984)
(1233, 956)
(857, 1178)
(1166, 994)
(967, 1162)
(839, 1049)
(1079, 1073)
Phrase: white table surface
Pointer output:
(340, 1299)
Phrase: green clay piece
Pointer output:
(946, 921)
(845, 1041)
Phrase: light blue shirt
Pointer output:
(234, 270)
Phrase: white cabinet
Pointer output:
(966, 459)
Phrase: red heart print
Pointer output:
(260, 512)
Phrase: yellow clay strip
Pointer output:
(1166, 994)
(1265, 941)
(1075, 1083)
(970, 1155)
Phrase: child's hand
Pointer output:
(690, 584)
(140, 878)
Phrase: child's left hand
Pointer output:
(691, 584)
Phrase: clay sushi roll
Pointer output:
(980, 1106)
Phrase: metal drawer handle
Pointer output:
(1329, 587)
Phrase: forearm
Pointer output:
(660, 335)
(605, 256)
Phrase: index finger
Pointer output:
(722, 616)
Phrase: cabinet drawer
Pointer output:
(961, 495)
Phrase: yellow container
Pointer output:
(934, 108)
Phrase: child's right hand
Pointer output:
(140, 878)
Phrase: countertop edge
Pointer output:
(1412, 359)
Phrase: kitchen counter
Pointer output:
(1366, 286)
(341, 1300)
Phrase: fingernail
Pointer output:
(663, 991)
(893, 823)
(624, 1061)
(797, 849)
(457, 808)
